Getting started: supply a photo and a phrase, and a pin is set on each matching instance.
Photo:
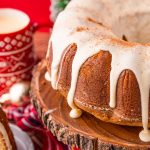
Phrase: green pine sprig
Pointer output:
(62, 4)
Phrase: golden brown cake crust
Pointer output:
(2, 143)
(4, 121)
(93, 86)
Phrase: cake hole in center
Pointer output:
(133, 27)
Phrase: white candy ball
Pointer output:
(18, 90)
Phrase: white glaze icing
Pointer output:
(5, 136)
(145, 135)
(95, 37)
(47, 76)
(75, 113)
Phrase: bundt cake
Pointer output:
(6, 137)
(99, 59)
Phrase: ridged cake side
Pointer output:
(93, 88)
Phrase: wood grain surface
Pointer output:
(87, 132)
(41, 43)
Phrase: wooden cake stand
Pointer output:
(87, 132)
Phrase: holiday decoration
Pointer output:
(57, 6)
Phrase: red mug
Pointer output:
(16, 48)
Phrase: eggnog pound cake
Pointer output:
(6, 137)
(99, 59)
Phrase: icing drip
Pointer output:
(75, 113)
(93, 38)
(145, 135)
(5, 136)
(137, 62)
(47, 76)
